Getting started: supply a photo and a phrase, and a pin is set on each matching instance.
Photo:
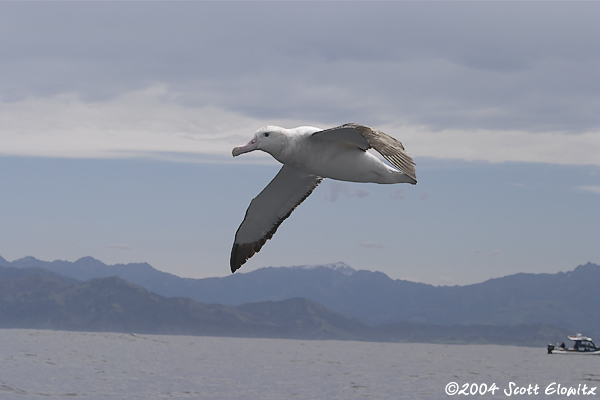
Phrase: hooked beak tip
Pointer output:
(237, 151)
(252, 145)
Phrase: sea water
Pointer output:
(39, 364)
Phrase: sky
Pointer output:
(117, 122)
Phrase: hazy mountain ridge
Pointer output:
(373, 297)
(113, 304)
(38, 299)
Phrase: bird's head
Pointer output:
(269, 139)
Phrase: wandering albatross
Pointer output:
(308, 155)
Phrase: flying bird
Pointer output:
(308, 155)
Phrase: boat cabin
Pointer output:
(583, 343)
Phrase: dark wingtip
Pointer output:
(236, 261)
(240, 253)
(235, 267)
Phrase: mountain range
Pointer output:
(36, 298)
(566, 299)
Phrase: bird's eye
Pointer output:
(266, 134)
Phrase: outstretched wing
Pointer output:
(268, 210)
(365, 138)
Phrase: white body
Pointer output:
(299, 149)
(336, 160)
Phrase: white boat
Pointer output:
(583, 345)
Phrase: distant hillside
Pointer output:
(38, 299)
(301, 318)
(373, 297)
(112, 304)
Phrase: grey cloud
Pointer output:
(120, 246)
(335, 189)
(530, 66)
(590, 189)
(371, 245)
(360, 193)
(397, 194)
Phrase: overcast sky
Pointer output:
(117, 122)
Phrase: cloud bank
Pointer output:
(495, 82)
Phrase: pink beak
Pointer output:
(250, 146)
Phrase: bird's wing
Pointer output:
(268, 210)
(365, 138)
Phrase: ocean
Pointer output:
(43, 364)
